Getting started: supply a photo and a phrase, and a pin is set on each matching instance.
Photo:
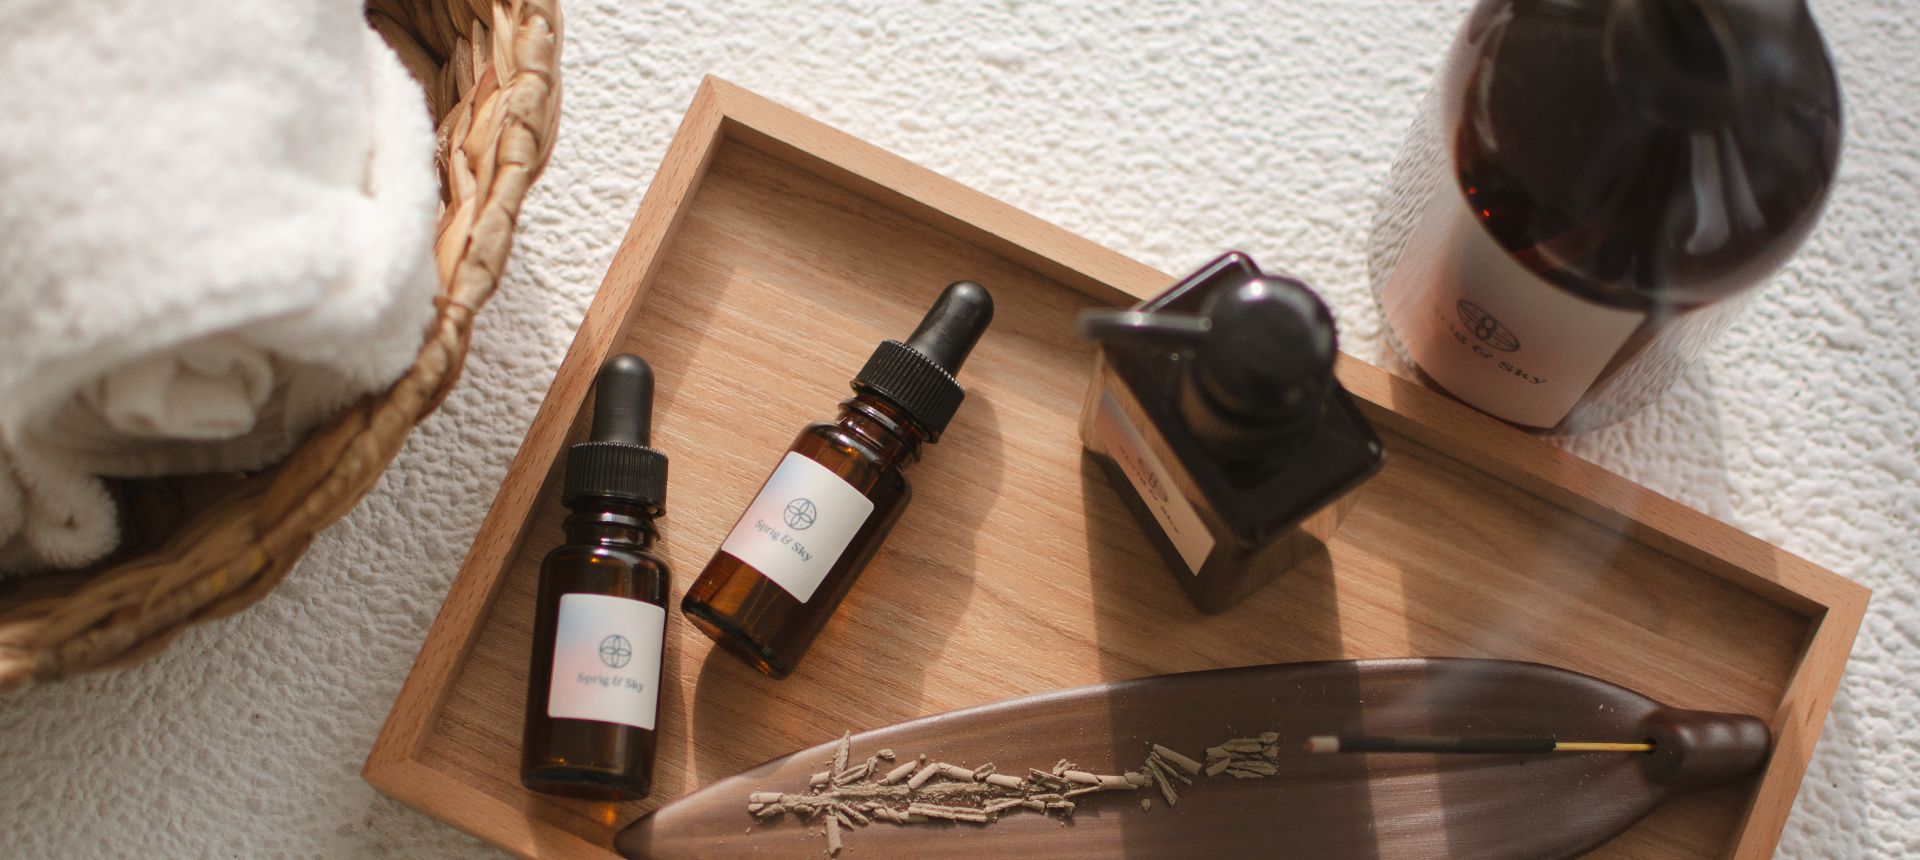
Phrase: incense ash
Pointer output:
(916, 791)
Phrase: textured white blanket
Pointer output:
(1166, 134)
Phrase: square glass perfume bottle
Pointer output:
(1215, 413)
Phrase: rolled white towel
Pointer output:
(216, 220)
(62, 518)
(210, 389)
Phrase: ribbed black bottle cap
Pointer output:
(615, 462)
(913, 382)
(619, 471)
(918, 375)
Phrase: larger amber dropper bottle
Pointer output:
(823, 512)
(593, 689)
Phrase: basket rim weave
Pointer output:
(491, 74)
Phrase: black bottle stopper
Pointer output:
(918, 376)
(1258, 361)
(615, 463)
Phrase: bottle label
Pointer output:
(1488, 330)
(606, 660)
(798, 526)
(1151, 481)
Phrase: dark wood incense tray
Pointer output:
(769, 256)
(1403, 806)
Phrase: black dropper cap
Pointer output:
(615, 463)
(918, 376)
(1261, 361)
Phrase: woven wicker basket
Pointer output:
(202, 548)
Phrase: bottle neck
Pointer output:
(894, 437)
(608, 523)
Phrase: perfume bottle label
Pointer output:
(795, 530)
(1488, 330)
(606, 660)
(1150, 479)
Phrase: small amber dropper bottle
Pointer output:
(823, 512)
(600, 620)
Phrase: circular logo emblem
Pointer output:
(800, 514)
(1486, 328)
(615, 651)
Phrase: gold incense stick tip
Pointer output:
(1323, 744)
(1588, 746)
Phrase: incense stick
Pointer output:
(1360, 744)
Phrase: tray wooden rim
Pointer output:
(720, 111)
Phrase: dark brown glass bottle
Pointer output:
(1215, 413)
(593, 687)
(833, 498)
(1591, 192)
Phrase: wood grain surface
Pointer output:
(771, 254)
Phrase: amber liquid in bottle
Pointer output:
(609, 551)
(1591, 192)
(821, 515)
(600, 616)
(760, 621)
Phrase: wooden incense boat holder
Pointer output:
(1403, 805)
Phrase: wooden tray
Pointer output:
(768, 258)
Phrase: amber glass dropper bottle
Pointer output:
(829, 503)
(600, 620)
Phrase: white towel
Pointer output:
(215, 230)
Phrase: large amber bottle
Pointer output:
(1592, 190)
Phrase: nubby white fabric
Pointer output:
(215, 230)
(1166, 131)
